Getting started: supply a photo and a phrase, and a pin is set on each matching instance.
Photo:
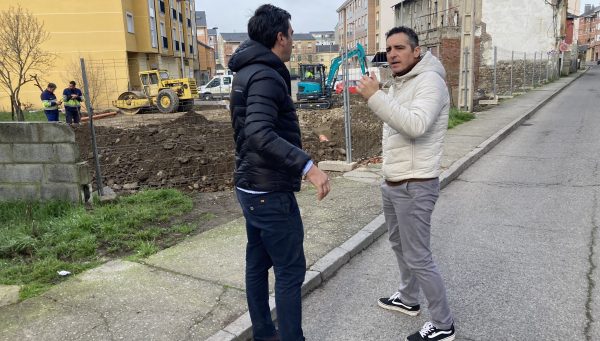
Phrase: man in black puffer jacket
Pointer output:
(270, 163)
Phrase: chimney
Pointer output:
(588, 7)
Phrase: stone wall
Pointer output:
(535, 74)
(40, 161)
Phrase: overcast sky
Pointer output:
(583, 2)
(307, 15)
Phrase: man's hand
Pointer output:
(73, 95)
(321, 181)
(59, 102)
(367, 86)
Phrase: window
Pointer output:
(180, 17)
(129, 22)
(226, 81)
(153, 78)
(189, 22)
(153, 38)
(299, 57)
(310, 58)
(191, 49)
(174, 13)
(214, 82)
(145, 79)
(163, 34)
(161, 3)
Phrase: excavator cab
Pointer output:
(312, 82)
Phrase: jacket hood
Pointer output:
(252, 52)
(427, 63)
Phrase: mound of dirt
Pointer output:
(194, 153)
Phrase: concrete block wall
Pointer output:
(40, 161)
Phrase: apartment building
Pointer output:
(589, 33)
(227, 43)
(206, 53)
(303, 52)
(117, 39)
(324, 37)
(358, 22)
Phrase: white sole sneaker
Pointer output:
(398, 308)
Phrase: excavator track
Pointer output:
(313, 105)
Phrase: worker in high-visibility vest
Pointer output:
(50, 103)
(72, 98)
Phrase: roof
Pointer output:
(303, 36)
(328, 48)
(201, 18)
(322, 32)
(591, 12)
(212, 32)
(234, 37)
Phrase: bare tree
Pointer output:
(95, 77)
(22, 35)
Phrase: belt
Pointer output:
(401, 182)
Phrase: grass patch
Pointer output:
(38, 239)
(35, 116)
(458, 117)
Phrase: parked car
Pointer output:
(339, 87)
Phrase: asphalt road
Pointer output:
(515, 237)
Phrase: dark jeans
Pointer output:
(275, 238)
(72, 114)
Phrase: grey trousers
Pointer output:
(407, 209)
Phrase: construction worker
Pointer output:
(308, 74)
(72, 98)
(50, 103)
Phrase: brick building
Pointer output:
(227, 43)
(467, 52)
(303, 52)
(589, 33)
(358, 22)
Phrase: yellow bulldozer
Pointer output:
(160, 92)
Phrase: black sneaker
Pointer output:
(430, 333)
(393, 303)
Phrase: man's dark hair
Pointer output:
(413, 38)
(72, 83)
(267, 21)
(51, 86)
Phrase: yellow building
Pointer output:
(117, 38)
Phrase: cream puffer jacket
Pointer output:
(415, 115)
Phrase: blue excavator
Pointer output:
(315, 89)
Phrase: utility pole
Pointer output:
(467, 44)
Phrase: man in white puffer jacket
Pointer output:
(415, 117)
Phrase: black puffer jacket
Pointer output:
(269, 155)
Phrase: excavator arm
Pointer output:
(359, 52)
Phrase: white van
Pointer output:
(218, 87)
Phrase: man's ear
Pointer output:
(417, 51)
(280, 37)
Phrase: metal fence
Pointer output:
(513, 72)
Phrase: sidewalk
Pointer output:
(195, 290)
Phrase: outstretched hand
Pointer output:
(321, 181)
(367, 86)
